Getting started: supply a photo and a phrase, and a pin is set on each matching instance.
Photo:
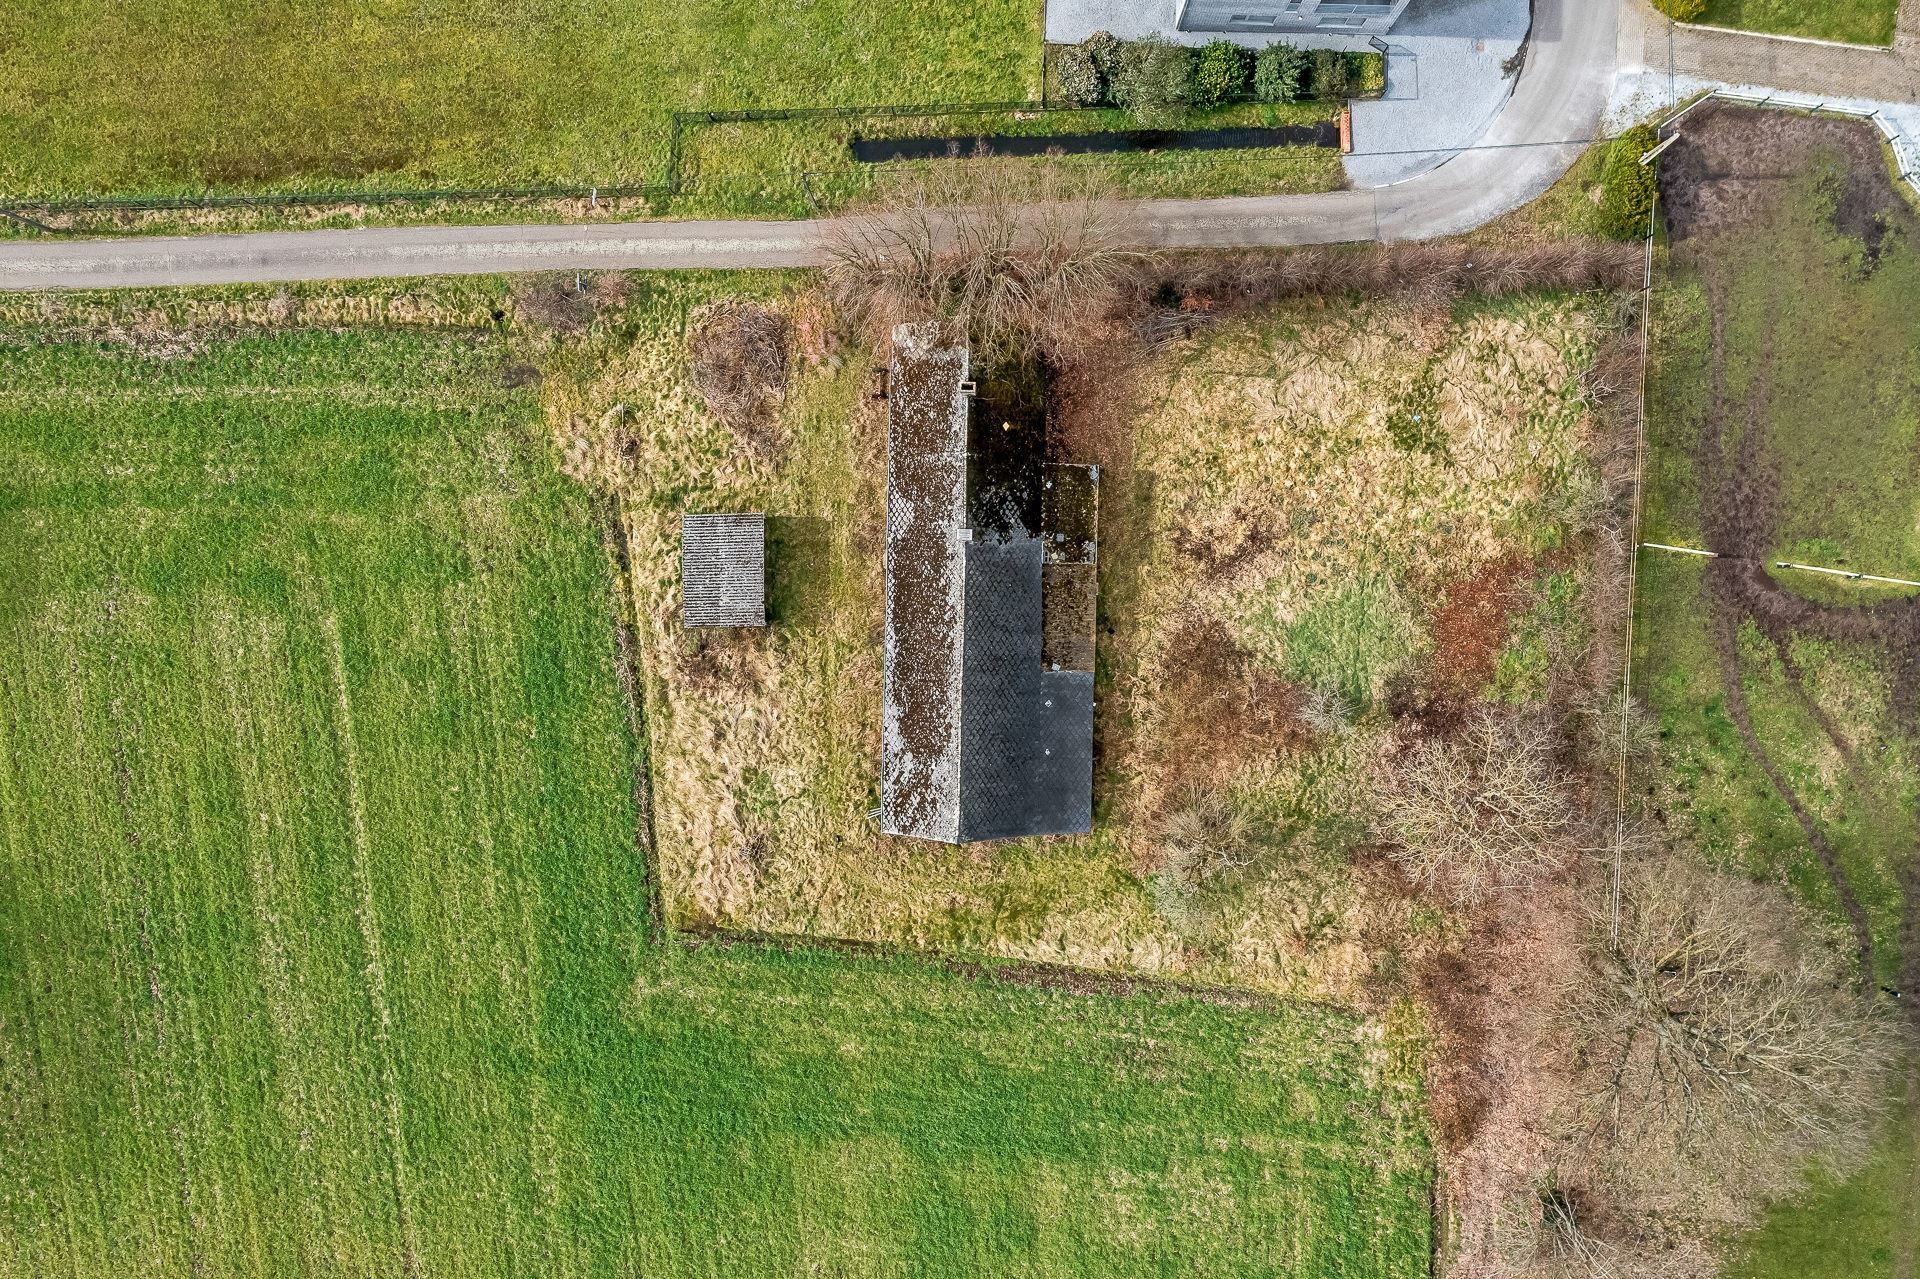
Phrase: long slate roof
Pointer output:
(984, 736)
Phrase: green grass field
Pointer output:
(1818, 336)
(1853, 21)
(177, 95)
(322, 922)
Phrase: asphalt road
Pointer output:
(1555, 110)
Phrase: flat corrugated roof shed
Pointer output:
(723, 570)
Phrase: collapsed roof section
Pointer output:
(988, 694)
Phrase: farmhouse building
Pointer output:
(1329, 17)
(990, 564)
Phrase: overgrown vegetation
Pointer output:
(1231, 659)
(1628, 186)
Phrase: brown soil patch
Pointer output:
(1732, 162)
(1471, 625)
(1224, 710)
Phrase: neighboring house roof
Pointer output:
(723, 570)
(988, 685)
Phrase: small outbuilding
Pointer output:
(723, 570)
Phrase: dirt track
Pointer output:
(1730, 169)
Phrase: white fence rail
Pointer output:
(1906, 153)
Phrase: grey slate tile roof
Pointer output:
(723, 570)
(982, 738)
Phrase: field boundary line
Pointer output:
(1633, 577)
(376, 971)
(632, 678)
(1067, 977)
(1847, 573)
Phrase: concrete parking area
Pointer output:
(1451, 66)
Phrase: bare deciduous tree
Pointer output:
(1024, 257)
(1720, 1041)
(1485, 811)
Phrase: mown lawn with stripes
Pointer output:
(322, 933)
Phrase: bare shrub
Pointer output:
(738, 354)
(1026, 259)
(566, 304)
(1721, 1045)
(1328, 712)
(1203, 839)
(1486, 810)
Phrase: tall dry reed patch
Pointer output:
(1022, 259)
(1415, 274)
(738, 353)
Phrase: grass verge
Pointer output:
(1852, 21)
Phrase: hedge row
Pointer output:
(1158, 80)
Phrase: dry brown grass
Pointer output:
(738, 352)
(1277, 472)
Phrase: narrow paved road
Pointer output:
(1555, 110)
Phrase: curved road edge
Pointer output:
(1554, 112)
